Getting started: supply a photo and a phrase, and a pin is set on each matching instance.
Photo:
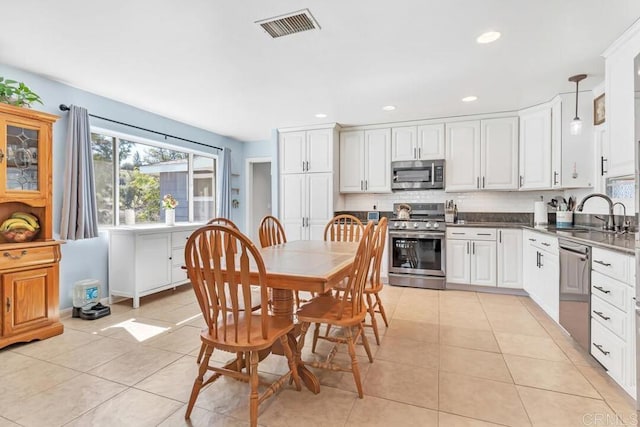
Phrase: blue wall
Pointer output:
(88, 258)
(265, 149)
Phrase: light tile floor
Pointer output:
(447, 359)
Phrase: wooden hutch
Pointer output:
(29, 270)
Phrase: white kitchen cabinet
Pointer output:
(423, 142)
(365, 161)
(556, 143)
(462, 156)
(509, 274)
(535, 149)
(307, 151)
(482, 155)
(306, 205)
(141, 260)
(541, 271)
(471, 256)
(620, 101)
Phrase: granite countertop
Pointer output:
(620, 242)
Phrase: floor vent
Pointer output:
(291, 23)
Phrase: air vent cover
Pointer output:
(291, 23)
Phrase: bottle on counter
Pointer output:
(455, 213)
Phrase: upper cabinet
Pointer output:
(306, 151)
(535, 149)
(365, 161)
(482, 155)
(423, 142)
(620, 102)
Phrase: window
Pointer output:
(130, 190)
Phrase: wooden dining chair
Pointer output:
(271, 232)
(218, 260)
(374, 283)
(222, 221)
(343, 228)
(346, 311)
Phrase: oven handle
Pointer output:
(417, 235)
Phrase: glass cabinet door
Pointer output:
(22, 158)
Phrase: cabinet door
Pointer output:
(535, 150)
(352, 162)
(153, 265)
(292, 152)
(483, 263)
(550, 284)
(320, 202)
(28, 300)
(458, 261)
(556, 144)
(320, 150)
(529, 264)
(499, 154)
(509, 258)
(403, 143)
(377, 152)
(292, 205)
(463, 156)
(22, 173)
(431, 142)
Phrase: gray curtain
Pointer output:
(79, 210)
(224, 207)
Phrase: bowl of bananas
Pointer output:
(20, 227)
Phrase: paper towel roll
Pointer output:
(540, 213)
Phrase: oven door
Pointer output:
(417, 253)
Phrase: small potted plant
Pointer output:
(169, 203)
(17, 93)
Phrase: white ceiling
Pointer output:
(209, 65)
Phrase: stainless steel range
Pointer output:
(417, 245)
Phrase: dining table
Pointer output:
(304, 265)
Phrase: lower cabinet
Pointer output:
(146, 260)
(471, 256)
(29, 291)
(541, 271)
(509, 261)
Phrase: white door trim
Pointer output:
(249, 188)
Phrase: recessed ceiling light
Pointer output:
(488, 37)
(389, 107)
(321, 115)
(469, 98)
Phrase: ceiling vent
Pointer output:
(290, 23)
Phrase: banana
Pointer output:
(24, 225)
(31, 219)
(11, 221)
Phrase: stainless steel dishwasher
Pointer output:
(575, 290)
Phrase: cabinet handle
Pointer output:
(599, 347)
(546, 244)
(483, 182)
(8, 255)
(555, 178)
(537, 259)
(500, 236)
(532, 240)
(473, 251)
(415, 153)
(483, 234)
(361, 185)
(601, 289)
(458, 233)
(419, 152)
(8, 304)
(308, 165)
(540, 260)
(477, 182)
(366, 184)
(602, 160)
(606, 264)
(170, 258)
(303, 166)
(467, 247)
(521, 180)
(1, 156)
(599, 313)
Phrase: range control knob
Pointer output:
(396, 224)
(429, 225)
(436, 225)
(404, 225)
(415, 225)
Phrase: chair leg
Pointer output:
(355, 370)
(203, 346)
(372, 314)
(254, 397)
(381, 308)
(303, 332)
(365, 342)
(197, 385)
(297, 297)
(316, 334)
(284, 340)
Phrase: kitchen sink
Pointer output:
(571, 230)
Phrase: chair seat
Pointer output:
(277, 327)
(326, 309)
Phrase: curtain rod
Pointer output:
(66, 108)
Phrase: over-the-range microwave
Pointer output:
(417, 175)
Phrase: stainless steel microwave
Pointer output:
(417, 175)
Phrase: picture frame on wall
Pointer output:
(598, 110)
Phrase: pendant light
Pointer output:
(576, 124)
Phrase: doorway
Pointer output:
(258, 193)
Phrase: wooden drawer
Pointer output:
(608, 349)
(542, 241)
(613, 264)
(179, 238)
(18, 258)
(471, 233)
(610, 290)
(610, 317)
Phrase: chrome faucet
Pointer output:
(625, 223)
(610, 225)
